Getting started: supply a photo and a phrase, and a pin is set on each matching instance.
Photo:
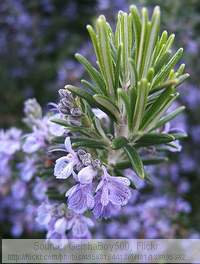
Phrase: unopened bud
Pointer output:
(96, 163)
(75, 111)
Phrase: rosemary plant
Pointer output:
(134, 83)
(119, 117)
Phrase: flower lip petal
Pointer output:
(86, 175)
(71, 191)
(121, 180)
(63, 169)
(90, 201)
(99, 186)
(105, 196)
(60, 225)
(68, 145)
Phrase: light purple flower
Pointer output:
(27, 169)
(32, 110)
(10, 141)
(39, 189)
(58, 240)
(80, 198)
(64, 166)
(44, 214)
(34, 141)
(5, 169)
(55, 129)
(112, 193)
(19, 189)
(104, 211)
(80, 226)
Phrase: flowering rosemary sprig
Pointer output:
(134, 84)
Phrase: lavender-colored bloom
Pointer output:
(112, 192)
(55, 129)
(19, 189)
(34, 141)
(32, 110)
(44, 214)
(5, 170)
(183, 206)
(80, 198)
(17, 229)
(39, 189)
(80, 226)
(64, 166)
(58, 240)
(101, 211)
(10, 141)
(27, 169)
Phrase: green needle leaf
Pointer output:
(105, 53)
(88, 143)
(156, 110)
(93, 73)
(169, 117)
(154, 139)
(135, 160)
(107, 104)
(166, 69)
(142, 93)
(151, 161)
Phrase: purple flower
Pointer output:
(80, 198)
(79, 225)
(183, 206)
(112, 193)
(10, 141)
(44, 214)
(55, 129)
(64, 166)
(5, 169)
(27, 169)
(39, 189)
(58, 240)
(19, 189)
(101, 210)
(32, 110)
(34, 141)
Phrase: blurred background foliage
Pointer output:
(37, 42)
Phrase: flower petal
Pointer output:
(77, 201)
(68, 145)
(80, 229)
(121, 180)
(60, 225)
(63, 169)
(90, 201)
(104, 196)
(119, 194)
(71, 191)
(86, 175)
